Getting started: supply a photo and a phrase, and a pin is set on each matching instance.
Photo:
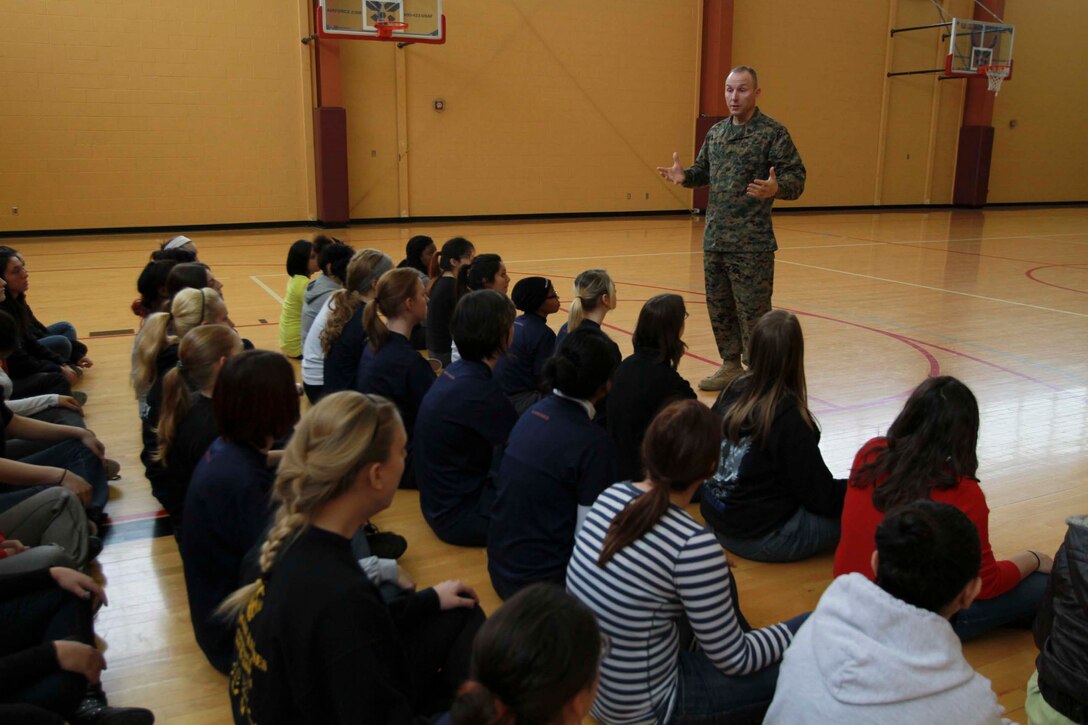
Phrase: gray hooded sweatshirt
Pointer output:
(865, 656)
(314, 299)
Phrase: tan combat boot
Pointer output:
(725, 375)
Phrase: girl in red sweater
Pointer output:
(929, 452)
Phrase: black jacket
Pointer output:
(31, 357)
(1061, 627)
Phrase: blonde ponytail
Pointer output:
(589, 288)
(364, 270)
(393, 289)
(154, 336)
(333, 442)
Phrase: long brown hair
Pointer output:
(659, 326)
(364, 269)
(931, 444)
(394, 287)
(777, 372)
(199, 351)
(681, 447)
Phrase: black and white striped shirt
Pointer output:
(676, 569)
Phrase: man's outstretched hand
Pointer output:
(764, 188)
(674, 173)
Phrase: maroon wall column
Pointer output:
(976, 141)
(716, 61)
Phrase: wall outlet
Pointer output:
(647, 195)
(15, 211)
(628, 195)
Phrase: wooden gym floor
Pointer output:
(998, 298)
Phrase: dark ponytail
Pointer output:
(681, 447)
(583, 364)
(533, 656)
(442, 260)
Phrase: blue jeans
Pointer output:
(1015, 608)
(77, 458)
(805, 534)
(60, 338)
(705, 695)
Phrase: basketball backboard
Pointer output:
(360, 20)
(974, 45)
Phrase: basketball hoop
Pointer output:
(995, 76)
(387, 27)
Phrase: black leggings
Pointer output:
(45, 616)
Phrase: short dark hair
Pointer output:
(533, 655)
(255, 399)
(298, 258)
(333, 260)
(927, 553)
(745, 69)
(151, 283)
(659, 325)
(185, 276)
(481, 323)
(583, 363)
(9, 334)
(322, 241)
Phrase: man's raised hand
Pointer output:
(764, 188)
(674, 173)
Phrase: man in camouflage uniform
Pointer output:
(748, 160)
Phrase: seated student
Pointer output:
(772, 498)
(151, 287)
(343, 338)
(487, 271)
(186, 423)
(556, 464)
(179, 255)
(389, 366)
(520, 370)
(594, 297)
(301, 263)
(227, 505)
(59, 338)
(365, 660)
(47, 652)
(417, 256)
(884, 652)
(155, 353)
(443, 293)
(48, 528)
(335, 259)
(1058, 689)
(323, 285)
(682, 578)
(34, 368)
(536, 660)
(646, 381)
(71, 457)
(462, 420)
(929, 452)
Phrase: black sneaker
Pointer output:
(384, 544)
(94, 547)
(94, 710)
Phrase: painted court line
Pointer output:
(266, 288)
(688, 253)
(935, 289)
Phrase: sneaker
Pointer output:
(725, 375)
(94, 547)
(80, 397)
(383, 544)
(94, 710)
(113, 470)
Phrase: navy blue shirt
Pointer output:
(443, 298)
(519, 370)
(563, 331)
(227, 508)
(399, 373)
(462, 419)
(556, 461)
(342, 360)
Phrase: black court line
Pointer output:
(103, 333)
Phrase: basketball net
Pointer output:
(995, 76)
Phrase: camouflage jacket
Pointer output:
(730, 159)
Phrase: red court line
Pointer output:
(1030, 275)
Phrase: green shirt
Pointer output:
(291, 316)
(731, 158)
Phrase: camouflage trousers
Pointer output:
(738, 292)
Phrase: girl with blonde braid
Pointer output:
(315, 642)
